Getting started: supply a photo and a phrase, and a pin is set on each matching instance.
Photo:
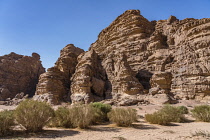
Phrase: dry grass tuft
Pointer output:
(202, 113)
(122, 116)
(6, 122)
(33, 115)
(166, 115)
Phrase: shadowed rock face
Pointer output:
(18, 74)
(54, 85)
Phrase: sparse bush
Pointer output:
(202, 133)
(82, 115)
(63, 118)
(33, 115)
(122, 116)
(101, 111)
(165, 116)
(183, 109)
(158, 118)
(202, 113)
(6, 122)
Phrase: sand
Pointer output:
(140, 130)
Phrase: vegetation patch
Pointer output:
(166, 115)
(82, 115)
(123, 116)
(6, 122)
(202, 133)
(202, 113)
(183, 109)
(33, 115)
(101, 110)
(63, 118)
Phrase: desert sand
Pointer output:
(141, 130)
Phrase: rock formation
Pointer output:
(135, 59)
(18, 74)
(54, 85)
(132, 49)
(88, 80)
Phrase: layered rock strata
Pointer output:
(54, 85)
(18, 74)
(133, 59)
(178, 47)
(88, 80)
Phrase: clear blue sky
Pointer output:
(46, 26)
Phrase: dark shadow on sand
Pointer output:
(143, 126)
(104, 129)
(44, 134)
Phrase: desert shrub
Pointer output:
(165, 116)
(33, 115)
(82, 115)
(202, 133)
(6, 122)
(175, 114)
(101, 111)
(158, 118)
(183, 109)
(123, 116)
(62, 118)
(202, 113)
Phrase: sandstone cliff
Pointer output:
(54, 85)
(135, 59)
(19, 74)
(132, 49)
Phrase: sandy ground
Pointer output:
(140, 130)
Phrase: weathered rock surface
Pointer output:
(16, 100)
(160, 83)
(88, 80)
(18, 74)
(54, 85)
(135, 60)
(132, 49)
(160, 88)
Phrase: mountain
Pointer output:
(132, 61)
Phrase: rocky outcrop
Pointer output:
(18, 74)
(160, 83)
(16, 100)
(133, 59)
(179, 47)
(54, 85)
(88, 81)
(159, 93)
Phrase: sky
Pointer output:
(46, 26)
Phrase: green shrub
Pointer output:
(183, 109)
(6, 122)
(202, 113)
(158, 118)
(62, 118)
(33, 115)
(82, 115)
(165, 116)
(122, 116)
(101, 111)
